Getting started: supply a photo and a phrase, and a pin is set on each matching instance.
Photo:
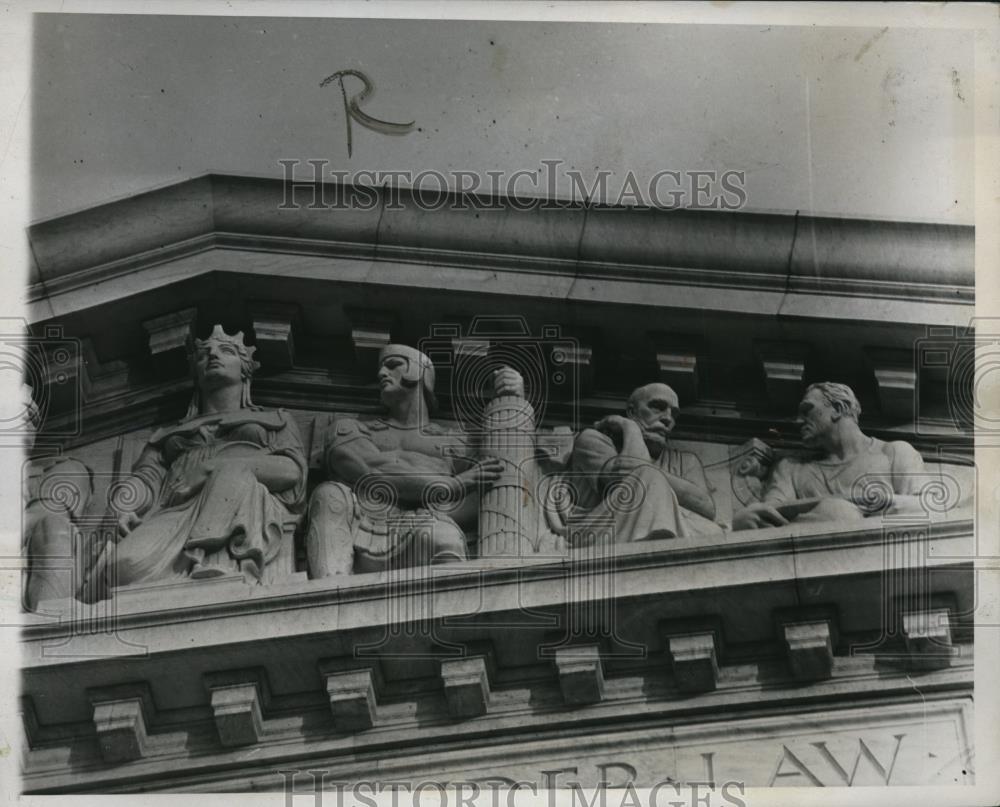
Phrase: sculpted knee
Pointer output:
(329, 535)
(645, 486)
(448, 544)
(52, 535)
(835, 510)
(331, 498)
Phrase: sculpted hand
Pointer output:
(758, 515)
(237, 450)
(184, 492)
(183, 489)
(615, 425)
(882, 500)
(904, 503)
(508, 381)
(485, 472)
(127, 522)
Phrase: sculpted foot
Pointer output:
(201, 572)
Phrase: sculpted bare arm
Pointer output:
(908, 477)
(357, 458)
(764, 513)
(354, 456)
(908, 471)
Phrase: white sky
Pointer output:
(846, 121)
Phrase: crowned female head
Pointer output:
(220, 361)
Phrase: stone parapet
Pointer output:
(413, 627)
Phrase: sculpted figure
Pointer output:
(852, 475)
(403, 490)
(624, 472)
(51, 539)
(214, 490)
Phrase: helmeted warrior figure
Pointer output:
(403, 490)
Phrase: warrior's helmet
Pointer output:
(419, 370)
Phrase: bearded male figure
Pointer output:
(627, 478)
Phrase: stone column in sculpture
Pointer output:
(508, 512)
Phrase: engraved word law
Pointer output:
(845, 761)
(816, 763)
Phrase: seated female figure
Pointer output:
(211, 493)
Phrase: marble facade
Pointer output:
(553, 551)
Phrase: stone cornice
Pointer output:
(763, 556)
(535, 726)
(171, 639)
(750, 251)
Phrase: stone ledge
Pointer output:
(175, 645)
(860, 254)
(172, 602)
(45, 768)
(769, 562)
